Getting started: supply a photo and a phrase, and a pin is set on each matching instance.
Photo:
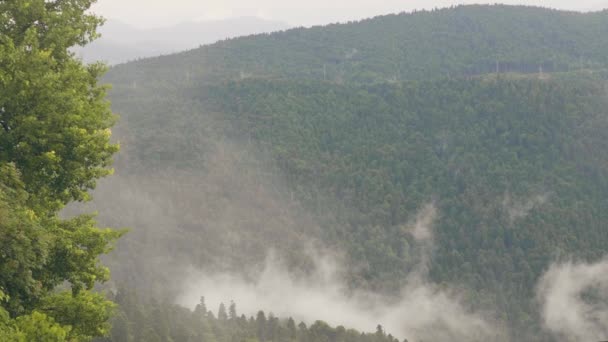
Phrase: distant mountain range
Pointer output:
(121, 42)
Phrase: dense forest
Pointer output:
(495, 114)
(510, 188)
(452, 42)
(454, 154)
(516, 166)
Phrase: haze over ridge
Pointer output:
(296, 13)
(121, 42)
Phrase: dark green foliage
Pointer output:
(480, 149)
(515, 167)
(409, 111)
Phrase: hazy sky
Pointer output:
(154, 13)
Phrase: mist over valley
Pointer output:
(429, 175)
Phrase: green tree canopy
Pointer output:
(54, 117)
(54, 145)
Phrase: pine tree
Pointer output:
(260, 322)
(201, 308)
(232, 311)
(291, 328)
(221, 312)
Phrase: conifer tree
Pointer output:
(201, 308)
(232, 311)
(221, 312)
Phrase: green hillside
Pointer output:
(365, 123)
(454, 42)
(479, 149)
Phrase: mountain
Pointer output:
(340, 136)
(121, 43)
(458, 42)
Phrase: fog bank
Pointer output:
(574, 299)
(423, 311)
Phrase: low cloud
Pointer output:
(424, 311)
(517, 209)
(574, 299)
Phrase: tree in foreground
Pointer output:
(54, 145)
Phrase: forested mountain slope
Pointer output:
(361, 125)
(454, 42)
(517, 169)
